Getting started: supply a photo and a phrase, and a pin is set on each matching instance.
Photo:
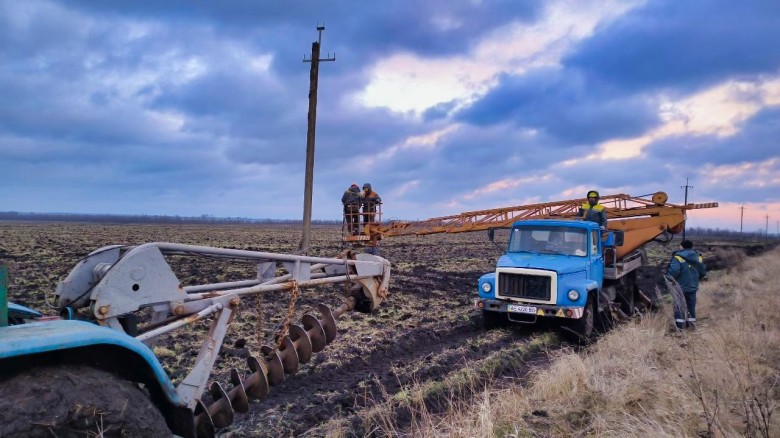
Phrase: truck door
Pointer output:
(596, 257)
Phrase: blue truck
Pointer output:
(558, 268)
(561, 270)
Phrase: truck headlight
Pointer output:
(486, 287)
(573, 295)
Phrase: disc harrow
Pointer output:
(117, 282)
(269, 370)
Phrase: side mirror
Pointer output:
(614, 238)
(618, 238)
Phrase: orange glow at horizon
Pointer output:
(727, 216)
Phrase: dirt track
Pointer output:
(426, 331)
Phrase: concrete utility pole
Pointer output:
(686, 186)
(741, 218)
(308, 185)
(766, 230)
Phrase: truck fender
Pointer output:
(592, 290)
(79, 342)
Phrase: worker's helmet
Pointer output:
(593, 194)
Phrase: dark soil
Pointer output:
(426, 331)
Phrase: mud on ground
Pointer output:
(425, 331)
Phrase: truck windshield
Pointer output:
(549, 240)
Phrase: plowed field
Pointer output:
(427, 331)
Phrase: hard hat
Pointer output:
(593, 194)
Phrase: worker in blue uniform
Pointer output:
(687, 267)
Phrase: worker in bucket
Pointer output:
(687, 267)
(370, 199)
(351, 201)
(593, 211)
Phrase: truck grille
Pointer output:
(524, 286)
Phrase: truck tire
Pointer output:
(491, 320)
(582, 330)
(76, 400)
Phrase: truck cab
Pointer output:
(552, 269)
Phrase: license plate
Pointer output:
(521, 309)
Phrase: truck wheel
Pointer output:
(491, 320)
(582, 330)
(76, 400)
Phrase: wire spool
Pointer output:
(660, 198)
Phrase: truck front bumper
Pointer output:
(528, 312)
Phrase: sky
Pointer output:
(198, 107)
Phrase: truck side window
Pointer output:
(595, 236)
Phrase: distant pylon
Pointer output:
(741, 218)
(686, 186)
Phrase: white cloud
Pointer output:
(753, 175)
(718, 111)
(427, 141)
(505, 184)
(405, 82)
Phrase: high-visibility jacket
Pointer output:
(687, 267)
(369, 200)
(594, 213)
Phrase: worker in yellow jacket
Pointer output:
(593, 211)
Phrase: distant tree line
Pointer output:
(144, 219)
(727, 233)
(209, 219)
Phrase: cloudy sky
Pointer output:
(190, 107)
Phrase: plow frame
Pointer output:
(117, 282)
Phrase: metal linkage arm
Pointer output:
(116, 281)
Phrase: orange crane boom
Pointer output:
(641, 218)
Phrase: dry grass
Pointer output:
(415, 410)
(645, 379)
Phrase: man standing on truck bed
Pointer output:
(593, 211)
(687, 268)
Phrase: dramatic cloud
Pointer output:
(683, 44)
(565, 106)
(200, 107)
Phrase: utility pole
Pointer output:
(741, 218)
(686, 187)
(309, 183)
(766, 230)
